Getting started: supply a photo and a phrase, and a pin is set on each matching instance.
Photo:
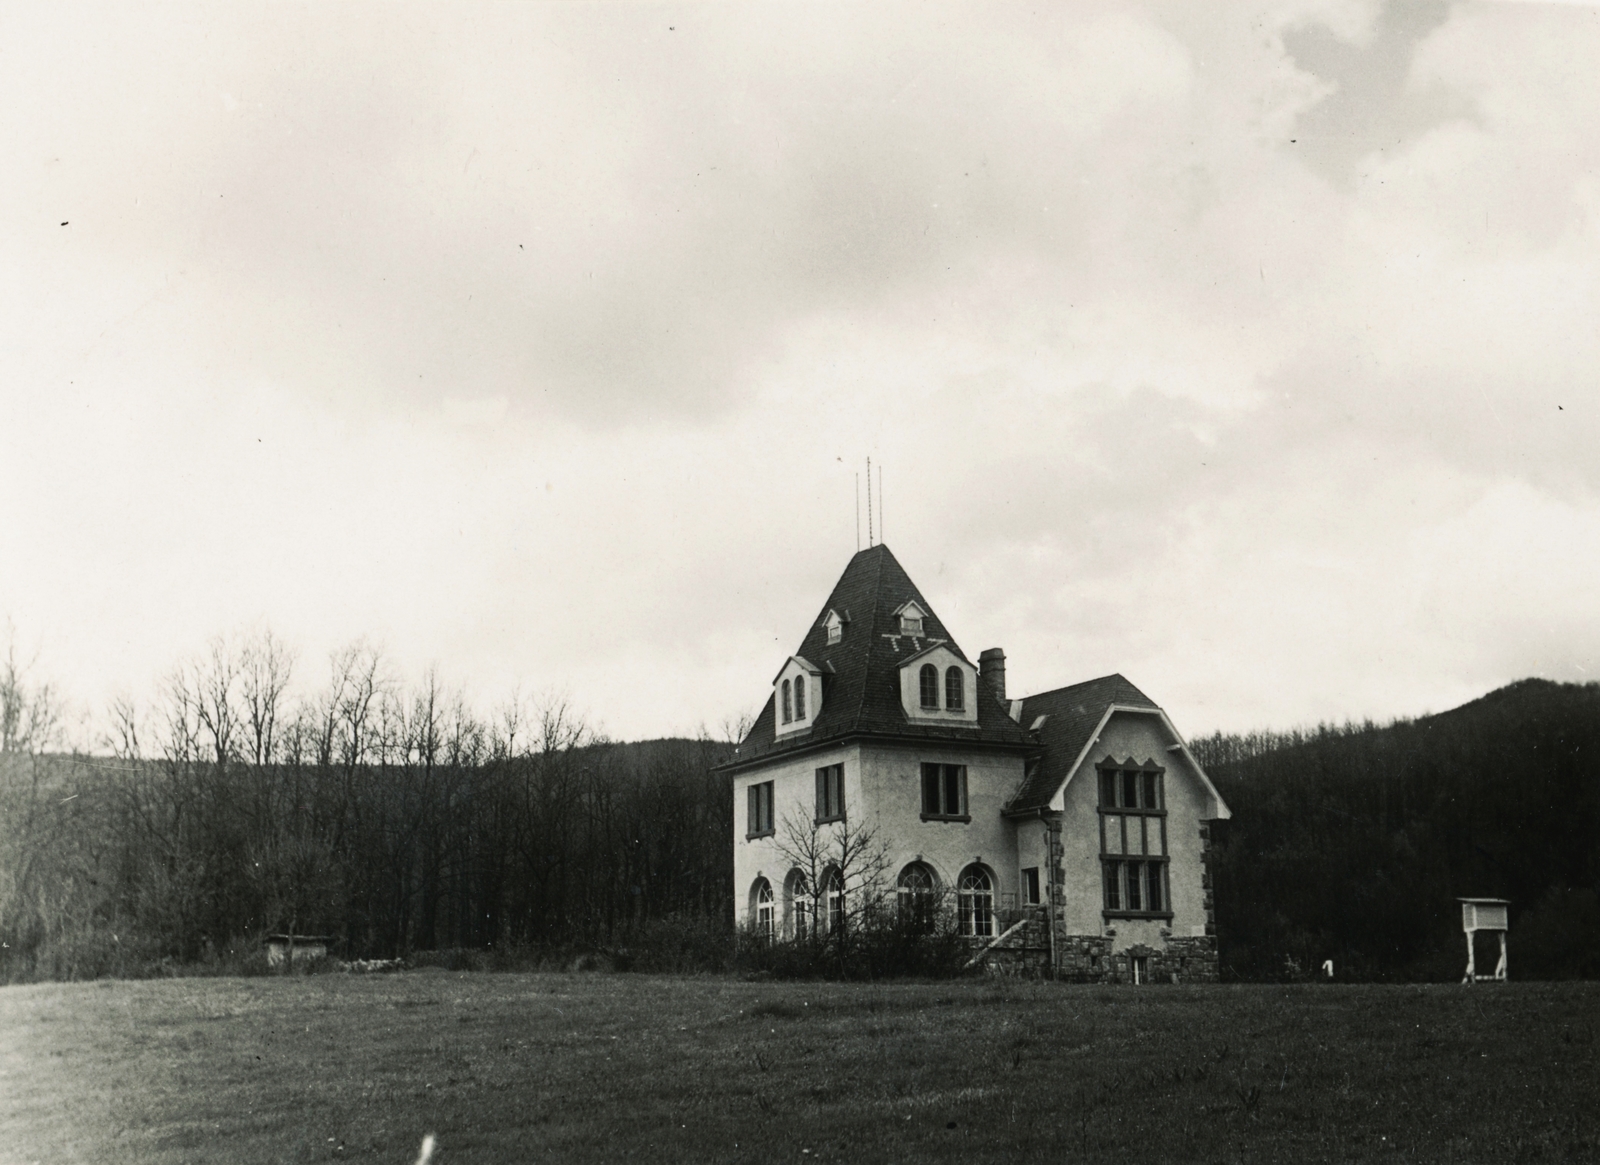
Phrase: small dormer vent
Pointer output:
(911, 616)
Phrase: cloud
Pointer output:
(546, 343)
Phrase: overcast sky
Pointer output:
(1252, 353)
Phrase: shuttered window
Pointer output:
(830, 793)
(944, 792)
(758, 810)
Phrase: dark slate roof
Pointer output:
(860, 674)
(1071, 716)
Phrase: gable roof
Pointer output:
(1072, 714)
(861, 673)
(1073, 717)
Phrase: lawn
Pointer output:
(577, 1068)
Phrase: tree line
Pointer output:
(388, 816)
(1352, 843)
(394, 818)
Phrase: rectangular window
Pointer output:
(758, 807)
(1133, 826)
(1030, 886)
(944, 792)
(830, 793)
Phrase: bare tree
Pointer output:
(122, 738)
(266, 664)
(30, 715)
(845, 866)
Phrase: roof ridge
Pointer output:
(1116, 675)
(872, 630)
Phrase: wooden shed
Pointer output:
(288, 949)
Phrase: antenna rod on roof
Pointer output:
(880, 502)
(869, 501)
(858, 511)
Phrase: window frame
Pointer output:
(830, 794)
(1032, 886)
(941, 809)
(911, 626)
(797, 893)
(928, 688)
(1130, 793)
(833, 904)
(759, 814)
(958, 689)
(917, 896)
(788, 714)
(765, 915)
(800, 697)
(967, 904)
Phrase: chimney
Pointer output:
(992, 668)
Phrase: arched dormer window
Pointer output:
(799, 697)
(929, 681)
(954, 690)
(788, 713)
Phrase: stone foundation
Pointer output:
(1024, 952)
(1083, 958)
(1089, 958)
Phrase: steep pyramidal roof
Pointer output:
(861, 673)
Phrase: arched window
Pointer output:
(799, 697)
(833, 899)
(761, 897)
(918, 894)
(975, 902)
(954, 689)
(788, 715)
(797, 893)
(929, 677)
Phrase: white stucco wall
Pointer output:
(883, 789)
(1141, 737)
(892, 782)
(794, 798)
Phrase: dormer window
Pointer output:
(835, 625)
(938, 684)
(796, 696)
(911, 616)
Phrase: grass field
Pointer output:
(618, 1067)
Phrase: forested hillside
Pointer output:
(125, 865)
(395, 820)
(1353, 843)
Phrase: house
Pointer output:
(1069, 830)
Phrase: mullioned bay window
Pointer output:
(1133, 840)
